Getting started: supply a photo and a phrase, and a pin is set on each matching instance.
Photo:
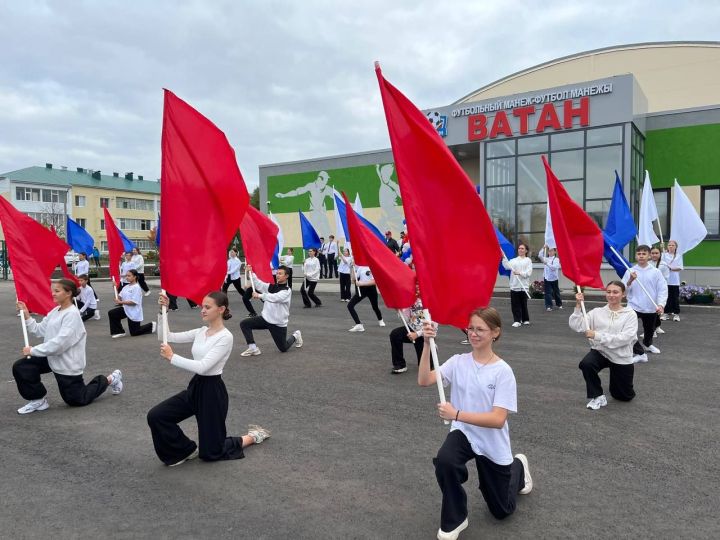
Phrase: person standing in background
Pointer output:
(551, 277)
(332, 252)
(322, 258)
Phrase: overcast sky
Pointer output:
(81, 82)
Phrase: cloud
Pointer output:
(81, 82)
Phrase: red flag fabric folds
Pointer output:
(579, 240)
(204, 199)
(394, 278)
(34, 252)
(455, 250)
(259, 238)
(115, 247)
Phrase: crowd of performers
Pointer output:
(483, 387)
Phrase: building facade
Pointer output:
(48, 194)
(629, 109)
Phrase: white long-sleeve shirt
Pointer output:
(523, 265)
(675, 265)
(82, 267)
(311, 268)
(655, 284)
(287, 260)
(139, 263)
(209, 352)
(345, 264)
(64, 337)
(551, 267)
(233, 268)
(615, 331)
(87, 297)
(276, 298)
(135, 293)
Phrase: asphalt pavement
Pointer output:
(351, 449)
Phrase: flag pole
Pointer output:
(404, 322)
(21, 314)
(628, 268)
(115, 288)
(436, 364)
(582, 307)
(163, 315)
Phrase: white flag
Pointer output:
(686, 227)
(357, 206)
(648, 214)
(549, 234)
(339, 231)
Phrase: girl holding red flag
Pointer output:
(206, 397)
(484, 392)
(129, 306)
(521, 268)
(62, 352)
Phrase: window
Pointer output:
(662, 202)
(27, 194)
(82, 222)
(80, 200)
(104, 202)
(710, 210)
(102, 224)
(131, 224)
(54, 196)
(533, 145)
(134, 204)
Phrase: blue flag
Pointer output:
(343, 219)
(507, 248)
(157, 232)
(310, 238)
(78, 238)
(128, 244)
(620, 228)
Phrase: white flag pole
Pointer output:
(639, 282)
(163, 315)
(404, 322)
(21, 314)
(115, 289)
(436, 364)
(582, 307)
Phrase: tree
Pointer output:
(255, 198)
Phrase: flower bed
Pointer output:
(698, 294)
(537, 289)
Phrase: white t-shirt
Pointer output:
(363, 275)
(82, 267)
(135, 293)
(124, 267)
(478, 388)
(345, 263)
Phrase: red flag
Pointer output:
(259, 238)
(34, 252)
(455, 250)
(579, 240)
(116, 248)
(394, 278)
(204, 199)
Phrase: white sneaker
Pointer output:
(154, 327)
(528, 479)
(259, 434)
(640, 358)
(34, 405)
(147, 293)
(381, 323)
(676, 318)
(96, 316)
(664, 317)
(548, 309)
(465, 342)
(399, 370)
(659, 331)
(357, 328)
(298, 338)
(452, 535)
(195, 454)
(526, 323)
(597, 402)
(652, 349)
(250, 351)
(116, 385)
(516, 325)
(115, 336)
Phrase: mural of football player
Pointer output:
(391, 218)
(319, 190)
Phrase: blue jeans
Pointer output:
(552, 291)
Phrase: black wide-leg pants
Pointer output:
(499, 484)
(206, 398)
(371, 293)
(278, 333)
(73, 389)
(621, 376)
